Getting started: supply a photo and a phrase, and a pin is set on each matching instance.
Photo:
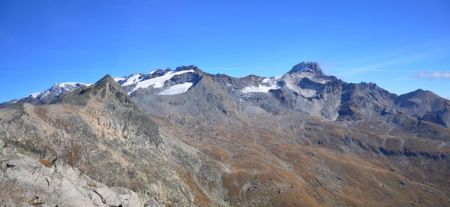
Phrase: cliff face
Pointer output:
(188, 138)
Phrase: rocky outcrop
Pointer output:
(54, 183)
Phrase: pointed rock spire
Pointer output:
(310, 67)
(106, 89)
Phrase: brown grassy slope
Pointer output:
(320, 164)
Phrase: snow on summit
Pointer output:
(158, 82)
(59, 88)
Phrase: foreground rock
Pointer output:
(28, 182)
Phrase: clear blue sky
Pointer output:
(400, 45)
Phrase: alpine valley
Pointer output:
(184, 137)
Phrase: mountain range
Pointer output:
(185, 137)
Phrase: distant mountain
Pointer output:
(305, 88)
(426, 106)
(52, 94)
(185, 137)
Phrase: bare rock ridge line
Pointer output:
(304, 88)
(184, 137)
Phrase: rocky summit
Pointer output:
(183, 137)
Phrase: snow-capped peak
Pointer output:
(70, 85)
(58, 89)
(157, 80)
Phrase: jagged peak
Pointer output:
(105, 78)
(189, 67)
(309, 67)
(108, 82)
(104, 89)
(159, 72)
(134, 74)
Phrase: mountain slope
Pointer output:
(184, 137)
(98, 132)
(271, 134)
(426, 106)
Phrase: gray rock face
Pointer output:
(364, 101)
(426, 106)
(34, 184)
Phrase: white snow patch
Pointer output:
(177, 89)
(267, 85)
(133, 79)
(270, 81)
(259, 89)
(35, 95)
(68, 85)
(158, 82)
(119, 79)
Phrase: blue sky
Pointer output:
(400, 45)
